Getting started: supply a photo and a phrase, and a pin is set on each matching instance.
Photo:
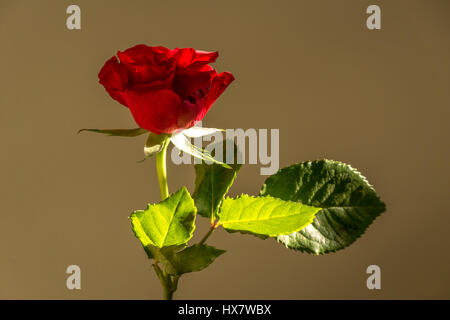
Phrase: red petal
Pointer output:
(188, 56)
(155, 85)
(146, 64)
(188, 81)
(206, 57)
(140, 75)
(142, 54)
(119, 96)
(219, 84)
(155, 110)
(113, 76)
(192, 112)
(189, 113)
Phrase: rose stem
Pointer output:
(169, 284)
(161, 170)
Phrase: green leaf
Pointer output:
(196, 258)
(170, 222)
(191, 259)
(183, 143)
(266, 216)
(118, 132)
(163, 255)
(212, 182)
(349, 203)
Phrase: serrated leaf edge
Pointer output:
(359, 174)
(242, 195)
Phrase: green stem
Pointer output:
(171, 288)
(161, 170)
(168, 294)
(210, 231)
(160, 275)
(168, 282)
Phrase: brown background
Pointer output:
(376, 99)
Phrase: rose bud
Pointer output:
(165, 90)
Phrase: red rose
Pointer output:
(165, 90)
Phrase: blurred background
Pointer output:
(378, 100)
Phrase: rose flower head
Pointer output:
(165, 90)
